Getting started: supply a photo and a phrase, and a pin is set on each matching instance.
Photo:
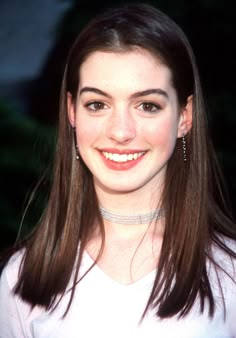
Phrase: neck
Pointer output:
(132, 219)
(136, 202)
(139, 201)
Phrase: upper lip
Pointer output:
(121, 151)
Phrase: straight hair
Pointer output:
(196, 215)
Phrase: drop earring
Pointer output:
(184, 147)
(76, 145)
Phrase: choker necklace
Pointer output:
(131, 219)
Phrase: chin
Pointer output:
(119, 188)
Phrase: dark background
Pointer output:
(35, 36)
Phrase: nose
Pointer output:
(121, 127)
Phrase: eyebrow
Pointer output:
(93, 90)
(157, 91)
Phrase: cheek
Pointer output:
(83, 138)
(163, 134)
(87, 131)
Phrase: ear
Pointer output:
(186, 118)
(71, 109)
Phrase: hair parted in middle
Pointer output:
(192, 214)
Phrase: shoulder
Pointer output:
(222, 266)
(12, 318)
(11, 270)
(225, 253)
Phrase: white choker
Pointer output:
(132, 219)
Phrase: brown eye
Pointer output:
(150, 107)
(95, 106)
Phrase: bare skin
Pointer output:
(129, 254)
(126, 106)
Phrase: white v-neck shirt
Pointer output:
(104, 308)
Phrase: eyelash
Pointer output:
(100, 106)
(94, 103)
(154, 107)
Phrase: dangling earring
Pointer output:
(184, 147)
(76, 145)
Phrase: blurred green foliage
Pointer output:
(26, 151)
(27, 140)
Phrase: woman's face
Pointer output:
(127, 120)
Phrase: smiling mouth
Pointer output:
(122, 158)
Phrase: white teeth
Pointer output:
(115, 157)
(122, 157)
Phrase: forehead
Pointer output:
(136, 68)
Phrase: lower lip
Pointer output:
(121, 165)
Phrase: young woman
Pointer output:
(135, 240)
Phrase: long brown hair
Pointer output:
(196, 215)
